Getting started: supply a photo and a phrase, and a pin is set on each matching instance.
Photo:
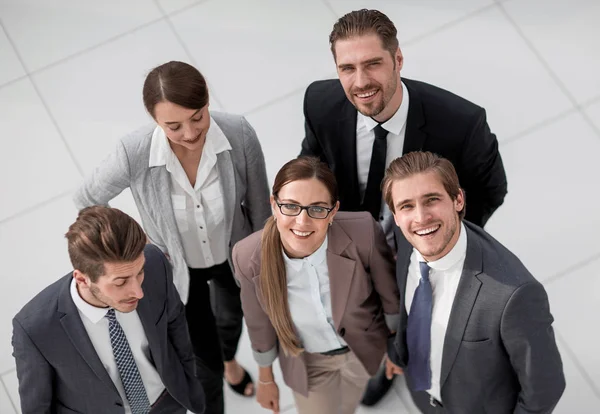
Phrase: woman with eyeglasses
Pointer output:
(318, 291)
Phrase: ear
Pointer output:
(80, 278)
(274, 207)
(399, 60)
(334, 211)
(459, 203)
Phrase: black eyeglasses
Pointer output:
(316, 212)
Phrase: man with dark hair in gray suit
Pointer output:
(97, 340)
(475, 333)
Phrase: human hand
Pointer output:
(391, 369)
(267, 395)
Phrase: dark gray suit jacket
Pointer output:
(500, 354)
(60, 372)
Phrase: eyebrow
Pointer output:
(127, 277)
(177, 122)
(365, 62)
(400, 203)
(292, 201)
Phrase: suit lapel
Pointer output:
(341, 271)
(402, 263)
(414, 138)
(466, 294)
(227, 179)
(73, 326)
(144, 312)
(161, 192)
(346, 158)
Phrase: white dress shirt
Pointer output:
(444, 276)
(199, 210)
(309, 300)
(96, 326)
(365, 136)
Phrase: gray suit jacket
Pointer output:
(58, 368)
(500, 354)
(243, 179)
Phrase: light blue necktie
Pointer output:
(130, 376)
(418, 333)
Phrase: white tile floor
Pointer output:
(70, 85)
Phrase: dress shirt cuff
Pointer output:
(392, 321)
(265, 359)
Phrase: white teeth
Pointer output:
(302, 233)
(427, 231)
(366, 95)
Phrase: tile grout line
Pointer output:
(167, 18)
(330, 7)
(35, 207)
(582, 263)
(546, 66)
(578, 364)
(8, 394)
(7, 372)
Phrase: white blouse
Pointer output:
(199, 210)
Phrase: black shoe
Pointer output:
(377, 387)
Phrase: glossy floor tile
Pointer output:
(541, 221)
(66, 27)
(565, 34)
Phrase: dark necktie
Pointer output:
(130, 376)
(418, 333)
(372, 199)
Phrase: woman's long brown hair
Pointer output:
(273, 278)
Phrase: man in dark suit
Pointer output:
(97, 340)
(361, 122)
(475, 332)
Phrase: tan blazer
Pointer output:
(363, 288)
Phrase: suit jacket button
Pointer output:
(342, 331)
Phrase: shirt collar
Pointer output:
(453, 257)
(314, 259)
(396, 122)
(93, 313)
(161, 152)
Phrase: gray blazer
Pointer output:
(500, 354)
(242, 174)
(58, 368)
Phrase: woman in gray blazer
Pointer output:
(199, 181)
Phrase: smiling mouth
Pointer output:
(302, 233)
(366, 95)
(428, 231)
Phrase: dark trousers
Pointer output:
(423, 402)
(214, 330)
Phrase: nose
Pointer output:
(421, 214)
(137, 291)
(189, 132)
(361, 79)
(303, 217)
